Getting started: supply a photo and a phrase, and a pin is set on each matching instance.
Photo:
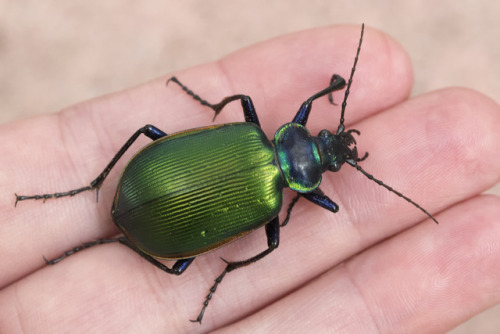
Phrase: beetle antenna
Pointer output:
(348, 89)
(380, 183)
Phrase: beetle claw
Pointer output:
(198, 320)
(217, 112)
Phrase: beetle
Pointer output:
(194, 191)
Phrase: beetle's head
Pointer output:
(336, 149)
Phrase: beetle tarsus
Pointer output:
(190, 92)
(211, 293)
(45, 197)
(272, 233)
(79, 248)
(148, 130)
(246, 103)
(330, 95)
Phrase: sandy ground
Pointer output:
(54, 54)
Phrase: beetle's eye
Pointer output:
(335, 167)
(324, 133)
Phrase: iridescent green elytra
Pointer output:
(194, 191)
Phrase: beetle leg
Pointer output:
(79, 248)
(149, 130)
(178, 268)
(289, 210)
(336, 83)
(319, 198)
(273, 238)
(246, 103)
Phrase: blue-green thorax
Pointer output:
(303, 158)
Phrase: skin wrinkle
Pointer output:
(17, 307)
(404, 71)
(103, 136)
(457, 142)
(153, 281)
(63, 127)
(220, 64)
(263, 101)
(346, 268)
(77, 175)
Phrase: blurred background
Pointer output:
(57, 53)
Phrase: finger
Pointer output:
(425, 280)
(67, 150)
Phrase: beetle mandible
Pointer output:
(194, 191)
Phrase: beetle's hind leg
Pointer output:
(178, 268)
(149, 130)
(79, 248)
(273, 237)
(246, 103)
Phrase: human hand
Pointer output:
(378, 265)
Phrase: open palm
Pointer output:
(379, 265)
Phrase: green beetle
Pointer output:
(172, 205)
(194, 191)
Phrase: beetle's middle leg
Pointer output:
(246, 103)
(149, 130)
(273, 238)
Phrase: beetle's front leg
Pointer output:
(336, 83)
(149, 130)
(319, 198)
(246, 103)
(273, 239)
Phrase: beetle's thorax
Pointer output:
(298, 157)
